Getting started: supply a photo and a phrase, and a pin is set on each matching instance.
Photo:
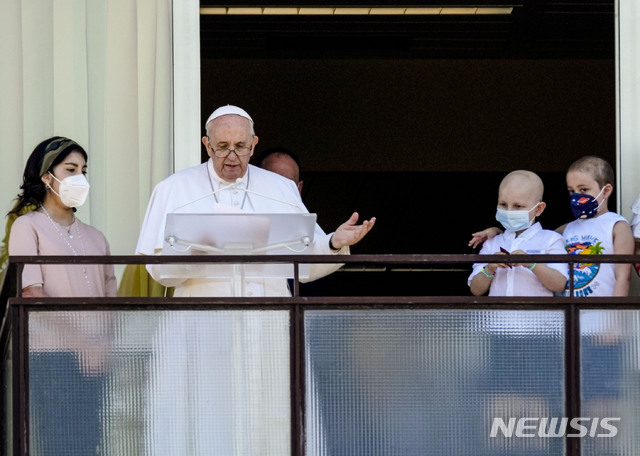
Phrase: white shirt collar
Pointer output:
(220, 182)
(526, 234)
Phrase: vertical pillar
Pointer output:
(186, 83)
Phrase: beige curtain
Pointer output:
(99, 72)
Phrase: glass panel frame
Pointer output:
(431, 381)
(610, 381)
(159, 382)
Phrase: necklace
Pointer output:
(64, 237)
(58, 225)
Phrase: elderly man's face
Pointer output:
(230, 132)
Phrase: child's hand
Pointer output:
(520, 252)
(492, 267)
(482, 236)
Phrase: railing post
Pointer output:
(19, 269)
(296, 279)
(572, 372)
(571, 279)
(20, 378)
(297, 381)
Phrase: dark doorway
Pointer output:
(416, 120)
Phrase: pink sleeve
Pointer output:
(110, 283)
(23, 241)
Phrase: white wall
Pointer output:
(628, 103)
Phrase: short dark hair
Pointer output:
(277, 150)
(599, 169)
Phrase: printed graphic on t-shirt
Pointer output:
(584, 273)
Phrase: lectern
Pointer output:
(237, 234)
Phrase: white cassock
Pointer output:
(215, 385)
(190, 191)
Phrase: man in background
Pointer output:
(281, 161)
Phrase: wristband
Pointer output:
(486, 273)
(533, 265)
(331, 244)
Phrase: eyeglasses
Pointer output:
(224, 153)
(239, 151)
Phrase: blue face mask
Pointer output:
(515, 220)
(585, 206)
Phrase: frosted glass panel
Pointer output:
(417, 382)
(159, 383)
(610, 367)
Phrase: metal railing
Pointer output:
(15, 321)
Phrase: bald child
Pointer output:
(519, 203)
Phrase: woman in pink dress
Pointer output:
(68, 351)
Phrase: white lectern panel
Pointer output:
(237, 234)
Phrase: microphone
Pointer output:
(251, 192)
(230, 186)
(234, 186)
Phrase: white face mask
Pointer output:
(73, 190)
(515, 220)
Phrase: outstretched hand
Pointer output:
(349, 233)
(482, 236)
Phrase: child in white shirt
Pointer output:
(519, 203)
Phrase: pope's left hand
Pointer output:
(349, 233)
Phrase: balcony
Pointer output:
(322, 375)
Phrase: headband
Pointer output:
(51, 152)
